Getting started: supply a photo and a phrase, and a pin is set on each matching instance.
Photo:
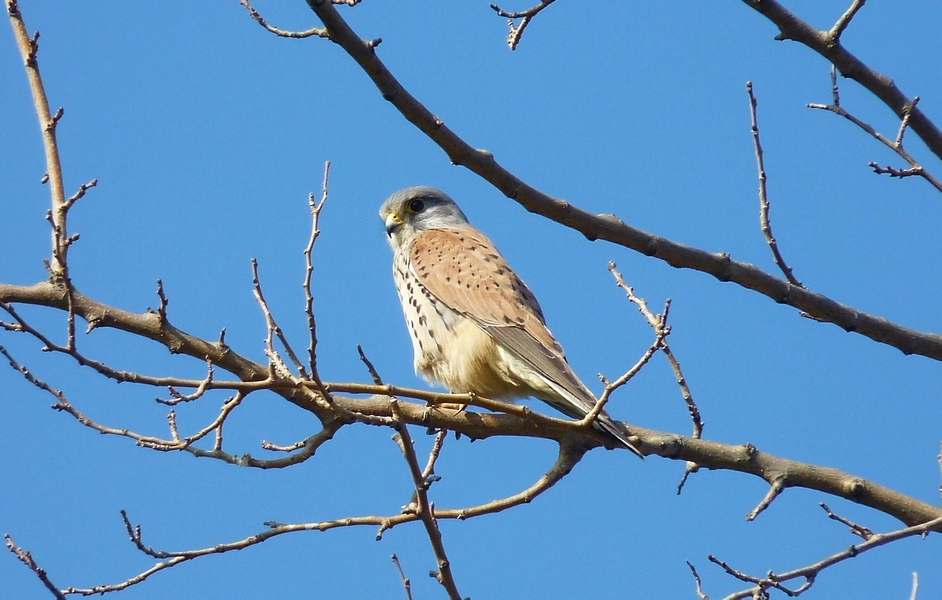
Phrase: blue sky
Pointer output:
(206, 134)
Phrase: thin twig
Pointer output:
(29, 47)
(845, 19)
(516, 31)
(276, 364)
(764, 223)
(810, 572)
(315, 208)
(406, 584)
(424, 508)
(778, 485)
(27, 559)
(313, 31)
(696, 578)
(659, 324)
(610, 228)
(374, 375)
(909, 109)
(856, 529)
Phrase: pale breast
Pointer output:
(431, 324)
(449, 348)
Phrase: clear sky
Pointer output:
(206, 134)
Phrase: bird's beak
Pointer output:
(393, 222)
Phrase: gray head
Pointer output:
(413, 210)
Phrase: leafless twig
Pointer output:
(516, 31)
(406, 584)
(27, 559)
(610, 227)
(659, 324)
(764, 223)
(314, 31)
(845, 19)
(423, 507)
(856, 529)
(778, 485)
(810, 572)
(696, 578)
(315, 208)
(915, 169)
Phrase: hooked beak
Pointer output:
(393, 222)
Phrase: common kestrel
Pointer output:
(475, 326)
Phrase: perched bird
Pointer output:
(475, 326)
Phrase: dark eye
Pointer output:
(416, 206)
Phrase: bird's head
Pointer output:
(413, 210)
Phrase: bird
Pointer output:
(475, 325)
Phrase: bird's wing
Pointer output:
(463, 269)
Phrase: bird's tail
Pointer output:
(578, 406)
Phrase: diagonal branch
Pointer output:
(29, 47)
(610, 227)
(915, 169)
(764, 222)
(810, 572)
(828, 45)
(423, 507)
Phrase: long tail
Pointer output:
(578, 406)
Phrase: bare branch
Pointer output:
(406, 584)
(845, 19)
(79, 194)
(516, 31)
(856, 529)
(374, 375)
(896, 146)
(610, 227)
(696, 579)
(764, 222)
(778, 485)
(810, 572)
(659, 324)
(314, 31)
(29, 48)
(276, 364)
(27, 559)
(423, 507)
(828, 45)
(315, 208)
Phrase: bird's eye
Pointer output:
(416, 206)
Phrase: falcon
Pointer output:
(475, 325)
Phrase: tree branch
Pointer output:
(610, 227)
(828, 45)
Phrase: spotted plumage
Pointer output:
(475, 325)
